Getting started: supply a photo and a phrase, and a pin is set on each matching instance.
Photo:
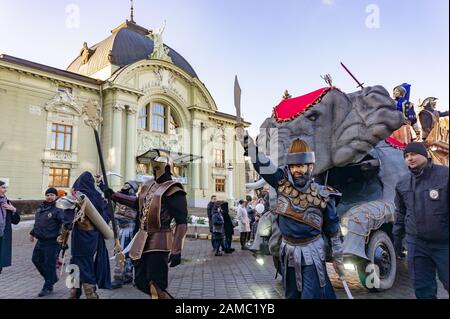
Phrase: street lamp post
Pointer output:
(230, 181)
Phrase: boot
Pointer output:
(89, 291)
(157, 293)
(116, 284)
(127, 279)
(74, 293)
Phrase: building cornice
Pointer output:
(117, 87)
(52, 74)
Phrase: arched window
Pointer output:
(158, 118)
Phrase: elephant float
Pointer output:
(350, 136)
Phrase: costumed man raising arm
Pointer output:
(156, 246)
(305, 210)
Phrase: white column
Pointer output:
(205, 152)
(230, 182)
(196, 150)
(130, 155)
(116, 153)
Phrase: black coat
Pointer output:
(227, 222)
(422, 209)
(209, 210)
(6, 240)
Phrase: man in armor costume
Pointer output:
(155, 245)
(429, 116)
(305, 210)
(126, 222)
(88, 248)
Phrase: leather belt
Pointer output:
(299, 241)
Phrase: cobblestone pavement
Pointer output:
(201, 275)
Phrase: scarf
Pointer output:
(2, 215)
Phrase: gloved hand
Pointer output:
(339, 268)
(107, 191)
(242, 136)
(398, 247)
(174, 260)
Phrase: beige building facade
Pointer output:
(148, 96)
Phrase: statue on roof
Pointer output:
(86, 53)
(160, 52)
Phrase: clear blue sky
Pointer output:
(271, 45)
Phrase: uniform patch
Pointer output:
(49, 215)
(434, 194)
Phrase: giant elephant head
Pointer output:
(341, 128)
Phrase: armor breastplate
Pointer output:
(305, 207)
(154, 217)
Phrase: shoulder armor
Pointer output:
(175, 188)
(327, 191)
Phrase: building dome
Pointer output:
(127, 44)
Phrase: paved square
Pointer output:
(201, 275)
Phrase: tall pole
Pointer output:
(93, 119)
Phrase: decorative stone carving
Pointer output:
(118, 107)
(92, 112)
(132, 109)
(61, 156)
(165, 78)
(63, 102)
(147, 141)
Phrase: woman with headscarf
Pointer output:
(8, 216)
(88, 246)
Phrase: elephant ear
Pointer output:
(274, 140)
(372, 118)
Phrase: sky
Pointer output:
(270, 45)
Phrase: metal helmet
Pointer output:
(429, 100)
(161, 164)
(130, 188)
(300, 153)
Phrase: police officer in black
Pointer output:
(422, 211)
(47, 225)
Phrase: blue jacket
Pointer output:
(47, 221)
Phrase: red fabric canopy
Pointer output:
(395, 143)
(291, 108)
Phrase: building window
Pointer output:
(61, 137)
(142, 118)
(220, 158)
(220, 185)
(58, 177)
(158, 118)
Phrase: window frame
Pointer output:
(219, 186)
(145, 117)
(158, 116)
(219, 158)
(55, 130)
(52, 177)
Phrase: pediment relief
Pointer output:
(63, 102)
